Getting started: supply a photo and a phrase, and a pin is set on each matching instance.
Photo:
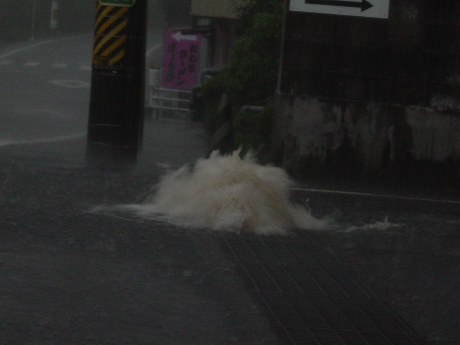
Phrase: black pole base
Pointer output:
(110, 157)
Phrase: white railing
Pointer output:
(167, 103)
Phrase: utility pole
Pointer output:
(54, 15)
(34, 14)
(116, 112)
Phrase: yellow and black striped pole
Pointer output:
(116, 111)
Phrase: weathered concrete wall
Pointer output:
(370, 141)
(372, 99)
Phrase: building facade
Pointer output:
(218, 17)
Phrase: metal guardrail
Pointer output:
(167, 103)
(170, 104)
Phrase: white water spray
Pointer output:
(227, 193)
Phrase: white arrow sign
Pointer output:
(359, 8)
(178, 36)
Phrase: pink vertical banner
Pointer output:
(181, 60)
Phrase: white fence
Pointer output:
(167, 103)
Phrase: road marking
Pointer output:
(7, 62)
(71, 83)
(59, 65)
(42, 113)
(31, 64)
(85, 68)
(42, 140)
(18, 50)
(375, 195)
(30, 71)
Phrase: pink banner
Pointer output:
(181, 60)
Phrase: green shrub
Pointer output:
(252, 73)
(252, 131)
(212, 91)
(250, 77)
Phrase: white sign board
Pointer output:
(358, 8)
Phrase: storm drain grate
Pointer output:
(309, 296)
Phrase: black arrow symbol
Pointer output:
(363, 4)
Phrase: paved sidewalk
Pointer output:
(310, 296)
(360, 283)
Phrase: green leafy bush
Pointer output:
(252, 131)
(250, 77)
(252, 73)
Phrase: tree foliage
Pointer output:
(251, 75)
(248, 9)
(252, 72)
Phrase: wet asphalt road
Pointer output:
(72, 276)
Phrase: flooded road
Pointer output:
(72, 276)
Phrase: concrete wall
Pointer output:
(371, 99)
(338, 141)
